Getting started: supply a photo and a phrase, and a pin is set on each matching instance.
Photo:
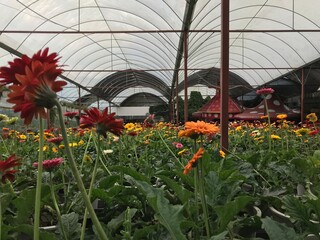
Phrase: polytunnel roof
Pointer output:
(100, 39)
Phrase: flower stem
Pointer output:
(86, 150)
(169, 149)
(269, 122)
(203, 198)
(202, 192)
(94, 173)
(57, 208)
(102, 235)
(36, 225)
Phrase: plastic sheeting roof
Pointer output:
(97, 38)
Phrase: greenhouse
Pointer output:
(166, 119)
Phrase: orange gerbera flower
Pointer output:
(194, 129)
(193, 162)
(34, 88)
(282, 116)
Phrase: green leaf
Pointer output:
(146, 232)
(109, 181)
(12, 232)
(71, 226)
(227, 212)
(315, 205)
(221, 236)
(130, 172)
(278, 231)
(316, 154)
(22, 203)
(182, 193)
(296, 209)
(170, 216)
(115, 223)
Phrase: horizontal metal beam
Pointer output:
(190, 69)
(161, 31)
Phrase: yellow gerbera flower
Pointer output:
(275, 137)
(312, 117)
(282, 116)
(222, 154)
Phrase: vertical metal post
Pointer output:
(98, 102)
(171, 108)
(185, 76)
(224, 75)
(79, 93)
(302, 96)
(177, 99)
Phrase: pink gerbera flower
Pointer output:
(50, 164)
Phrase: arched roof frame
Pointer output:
(112, 47)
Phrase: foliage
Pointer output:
(143, 193)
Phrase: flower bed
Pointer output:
(151, 180)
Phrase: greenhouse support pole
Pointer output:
(224, 75)
(302, 96)
(177, 99)
(98, 102)
(185, 76)
(79, 89)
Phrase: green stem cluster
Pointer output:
(102, 235)
(56, 206)
(94, 173)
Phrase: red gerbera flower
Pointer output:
(50, 164)
(35, 88)
(55, 140)
(5, 165)
(103, 122)
(18, 65)
(70, 114)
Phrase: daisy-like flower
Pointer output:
(50, 164)
(182, 152)
(129, 126)
(34, 84)
(70, 115)
(302, 131)
(265, 91)
(193, 162)
(282, 116)
(11, 121)
(275, 137)
(18, 65)
(312, 117)
(222, 154)
(314, 132)
(6, 171)
(195, 129)
(55, 140)
(107, 151)
(102, 121)
(3, 117)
